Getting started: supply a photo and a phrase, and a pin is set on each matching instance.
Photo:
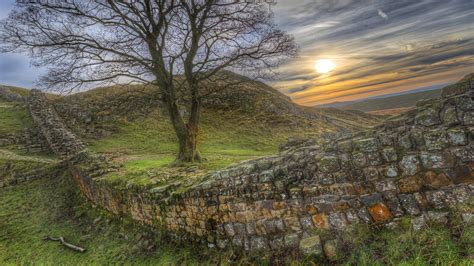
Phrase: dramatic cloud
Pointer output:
(379, 47)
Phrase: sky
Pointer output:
(376, 46)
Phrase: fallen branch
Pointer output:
(64, 243)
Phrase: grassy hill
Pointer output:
(394, 104)
(399, 101)
(129, 125)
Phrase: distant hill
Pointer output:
(389, 101)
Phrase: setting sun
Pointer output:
(324, 66)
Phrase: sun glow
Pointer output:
(324, 66)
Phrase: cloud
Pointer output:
(413, 41)
(382, 14)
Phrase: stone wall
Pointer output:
(60, 139)
(420, 164)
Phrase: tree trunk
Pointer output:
(187, 135)
(188, 151)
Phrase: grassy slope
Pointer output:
(13, 118)
(53, 207)
(149, 143)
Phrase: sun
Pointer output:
(324, 66)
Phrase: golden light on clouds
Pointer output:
(324, 66)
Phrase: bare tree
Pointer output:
(175, 45)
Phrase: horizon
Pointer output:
(364, 49)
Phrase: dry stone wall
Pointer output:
(420, 164)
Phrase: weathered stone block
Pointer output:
(366, 145)
(379, 212)
(328, 164)
(410, 164)
(435, 140)
(465, 154)
(418, 222)
(311, 246)
(436, 199)
(391, 171)
(385, 185)
(437, 160)
(338, 220)
(457, 136)
(468, 118)
(320, 220)
(359, 159)
(364, 215)
(389, 155)
(405, 141)
(371, 173)
(410, 184)
(258, 243)
(409, 203)
(450, 116)
(374, 158)
(439, 217)
(428, 117)
(266, 176)
(436, 181)
(371, 199)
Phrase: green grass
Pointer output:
(149, 143)
(437, 244)
(53, 207)
(13, 118)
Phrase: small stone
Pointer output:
(379, 212)
(330, 250)
(457, 136)
(366, 145)
(311, 246)
(428, 117)
(359, 159)
(436, 198)
(306, 222)
(418, 222)
(436, 140)
(364, 215)
(371, 173)
(450, 116)
(371, 199)
(329, 164)
(436, 181)
(386, 185)
(437, 160)
(337, 220)
(468, 118)
(391, 171)
(410, 184)
(439, 217)
(259, 243)
(410, 164)
(409, 203)
(389, 154)
(320, 220)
